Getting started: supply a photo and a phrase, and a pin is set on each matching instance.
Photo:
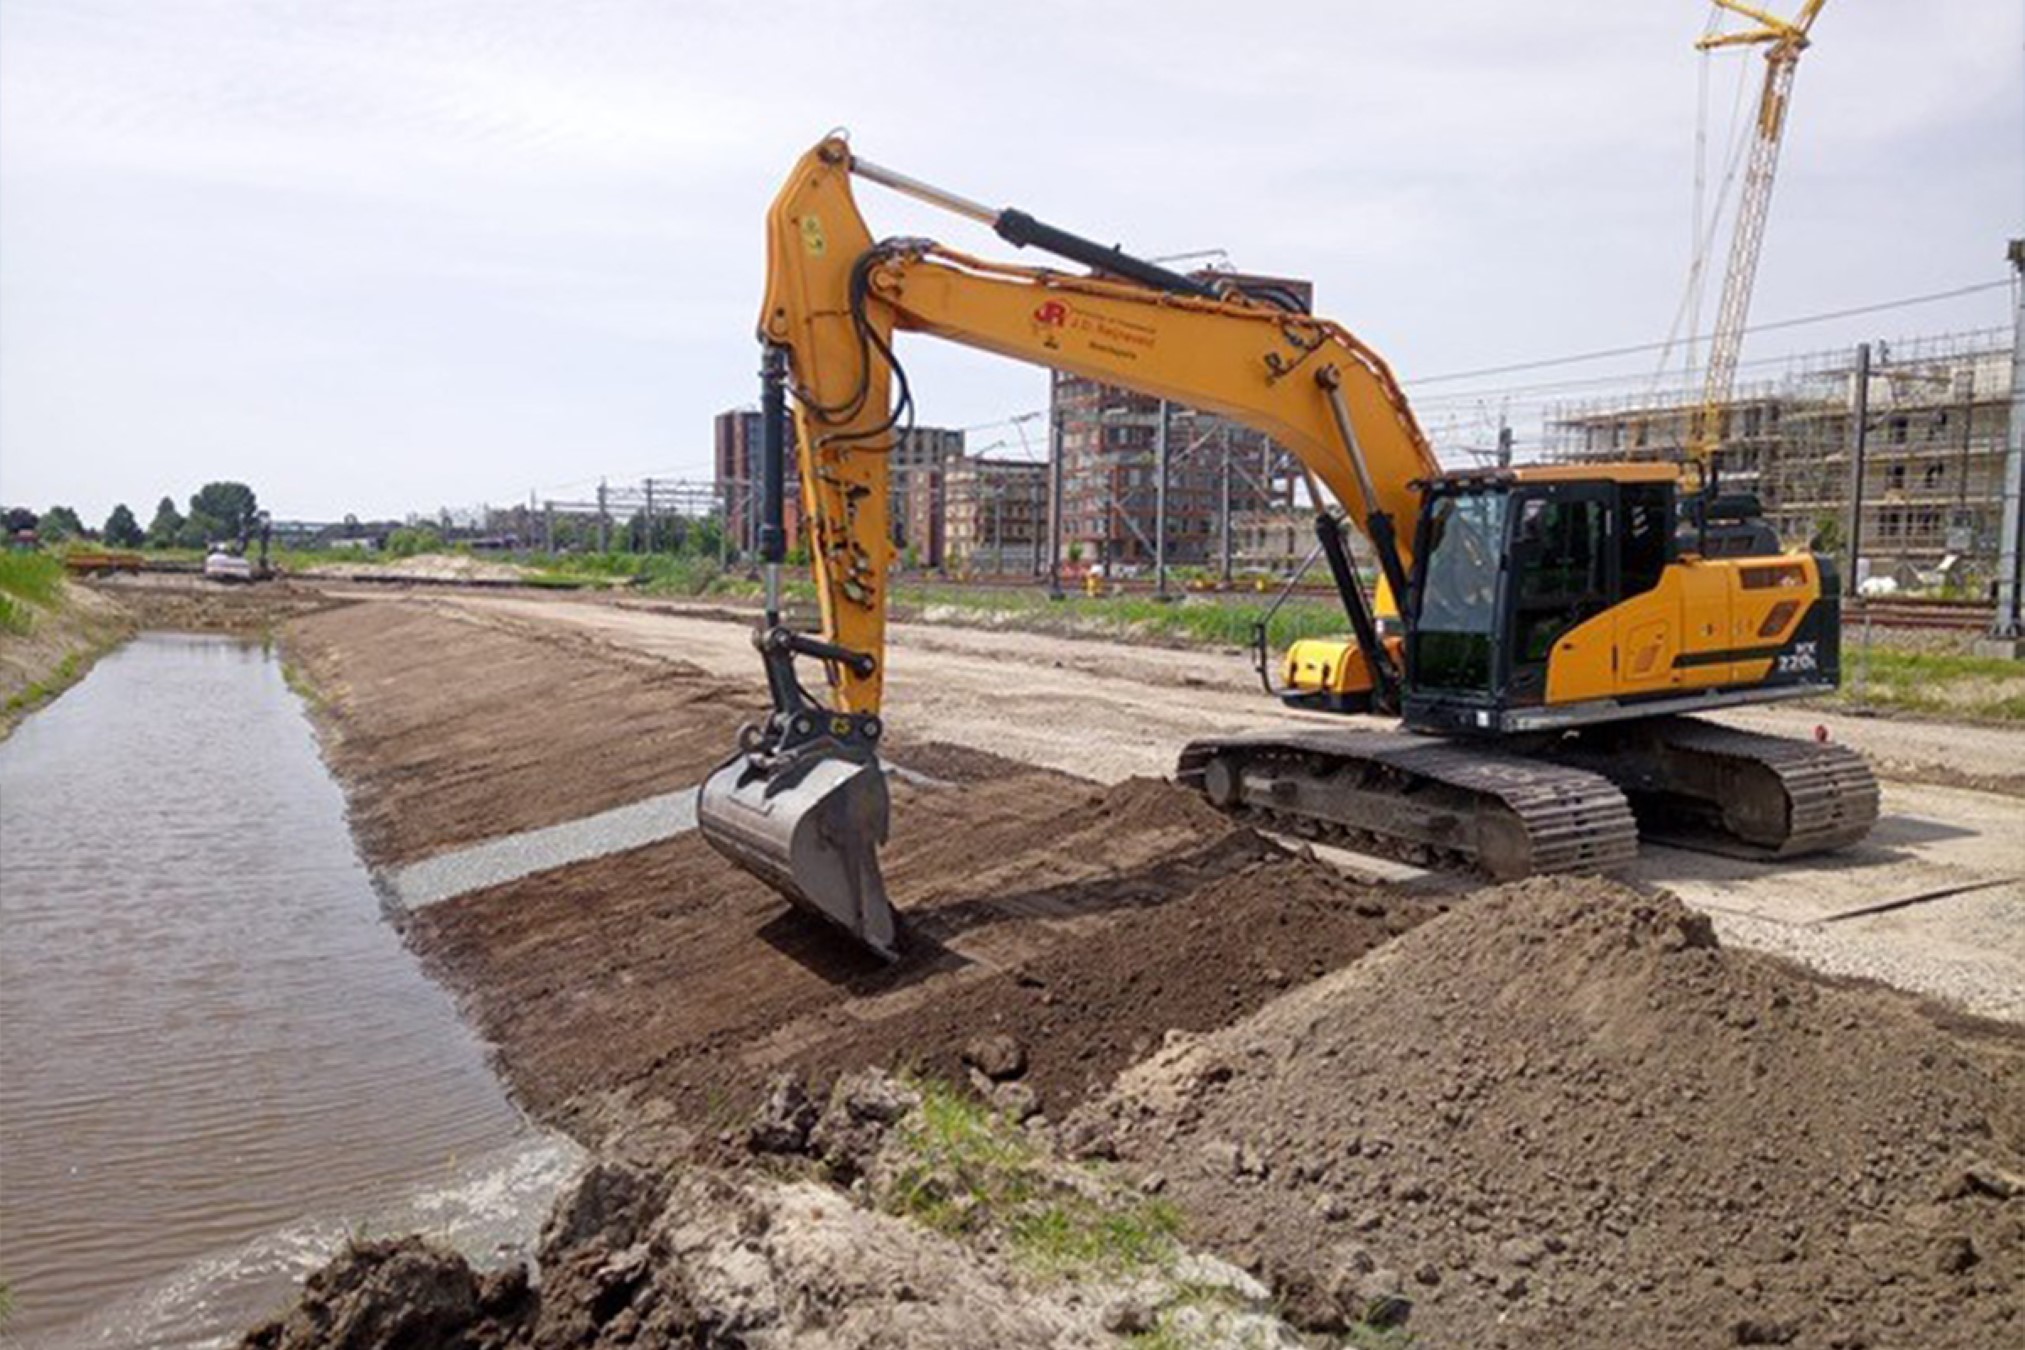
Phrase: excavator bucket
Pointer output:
(811, 828)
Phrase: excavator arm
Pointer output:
(803, 803)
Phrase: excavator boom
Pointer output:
(1549, 607)
(803, 803)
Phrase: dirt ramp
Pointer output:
(663, 985)
(1561, 1114)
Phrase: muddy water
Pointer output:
(215, 1055)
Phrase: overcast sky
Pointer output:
(379, 256)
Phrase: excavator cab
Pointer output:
(1507, 564)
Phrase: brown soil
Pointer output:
(1561, 1115)
(662, 985)
(448, 731)
(192, 604)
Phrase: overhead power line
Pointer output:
(1636, 349)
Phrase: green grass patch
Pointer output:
(67, 673)
(1939, 684)
(28, 582)
(679, 574)
(1225, 621)
(300, 684)
(969, 1170)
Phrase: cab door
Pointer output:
(1563, 572)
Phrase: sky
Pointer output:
(376, 257)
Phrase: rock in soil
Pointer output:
(1607, 1131)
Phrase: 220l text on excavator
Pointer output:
(1544, 634)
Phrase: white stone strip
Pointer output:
(513, 856)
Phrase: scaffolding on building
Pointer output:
(1938, 414)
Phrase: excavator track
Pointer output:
(1425, 801)
(1716, 789)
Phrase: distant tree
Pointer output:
(225, 509)
(167, 525)
(19, 518)
(409, 540)
(705, 538)
(60, 522)
(121, 529)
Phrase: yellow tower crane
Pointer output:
(1783, 40)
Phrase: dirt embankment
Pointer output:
(60, 645)
(448, 731)
(1561, 1114)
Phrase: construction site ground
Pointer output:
(1065, 899)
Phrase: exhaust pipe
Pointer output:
(810, 825)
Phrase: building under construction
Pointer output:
(1118, 513)
(1935, 427)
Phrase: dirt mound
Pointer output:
(400, 1293)
(664, 986)
(961, 1233)
(1562, 1115)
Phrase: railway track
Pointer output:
(1936, 615)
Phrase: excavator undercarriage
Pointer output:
(1574, 803)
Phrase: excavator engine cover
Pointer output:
(810, 826)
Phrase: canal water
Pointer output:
(217, 1060)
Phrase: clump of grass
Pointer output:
(28, 582)
(1212, 620)
(1943, 684)
(967, 1170)
(67, 672)
(652, 573)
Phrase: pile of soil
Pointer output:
(1561, 1114)
(448, 731)
(641, 1256)
(663, 987)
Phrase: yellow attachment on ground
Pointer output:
(1331, 666)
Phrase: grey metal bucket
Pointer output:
(812, 830)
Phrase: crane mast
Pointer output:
(1784, 40)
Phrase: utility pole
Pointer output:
(548, 527)
(1859, 442)
(1055, 439)
(1160, 501)
(648, 483)
(1504, 446)
(2009, 624)
(604, 521)
(1223, 511)
(996, 486)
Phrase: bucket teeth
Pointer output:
(811, 827)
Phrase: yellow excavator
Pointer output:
(1557, 626)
